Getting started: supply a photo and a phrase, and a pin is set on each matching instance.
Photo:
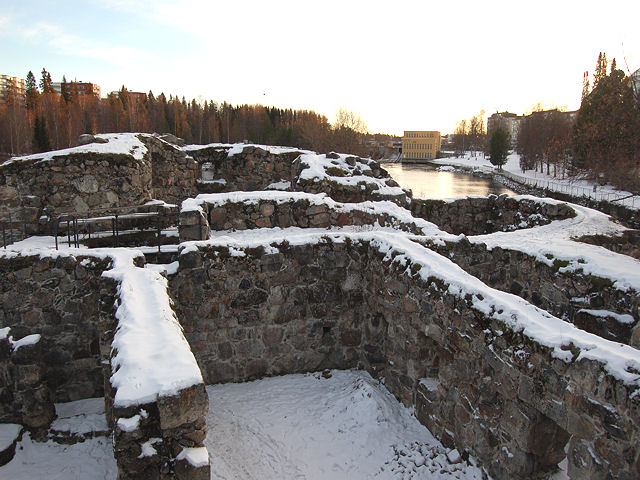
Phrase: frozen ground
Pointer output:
(89, 459)
(310, 427)
(571, 186)
(292, 427)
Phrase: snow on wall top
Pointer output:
(384, 207)
(621, 361)
(319, 167)
(117, 143)
(236, 148)
(151, 356)
(548, 243)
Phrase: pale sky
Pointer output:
(402, 65)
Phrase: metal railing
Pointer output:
(594, 193)
(77, 228)
(11, 231)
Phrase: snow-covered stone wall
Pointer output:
(251, 210)
(504, 393)
(591, 302)
(476, 215)
(96, 323)
(78, 180)
(240, 167)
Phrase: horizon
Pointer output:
(413, 67)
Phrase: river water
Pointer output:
(426, 181)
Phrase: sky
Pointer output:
(401, 65)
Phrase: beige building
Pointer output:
(419, 145)
(8, 83)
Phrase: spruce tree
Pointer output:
(499, 147)
(40, 135)
(66, 93)
(606, 143)
(31, 94)
(46, 86)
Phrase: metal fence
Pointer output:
(13, 229)
(73, 229)
(597, 194)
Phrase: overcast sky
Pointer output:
(402, 65)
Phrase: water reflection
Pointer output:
(426, 181)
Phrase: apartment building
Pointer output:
(9, 84)
(509, 122)
(76, 88)
(420, 145)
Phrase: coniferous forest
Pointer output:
(45, 120)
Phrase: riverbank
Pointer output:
(622, 205)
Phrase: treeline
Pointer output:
(44, 120)
(470, 134)
(606, 136)
(602, 142)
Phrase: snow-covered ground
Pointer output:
(88, 459)
(293, 427)
(571, 186)
(309, 427)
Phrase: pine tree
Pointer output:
(40, 135)
(66, 91)
(606, 143)
(499, 147)
(31, 94)
(586, 88)
(601, 69)
(46, 86)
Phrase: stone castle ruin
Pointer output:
(284, 261)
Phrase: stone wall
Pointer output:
(174, 174)
(271, 314)
(66, 308)
(252, 169)
(77, 183)
(479, 215)
(490, 391)
(60, 299)
(564, 295)
(237, 213)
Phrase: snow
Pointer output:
(318, 166)
(9, 432)
(92, 458)
(151, 356)
(88, 458)
(197, 457)
(385, 207)
(147, 449)
(555, 242)
(118, 144)
(25, 341)
(347, 426)
(236, 148)
(129, 424)
(4, 332)
(80, 417)
(572, 185)
(620, 318)
(281, 185)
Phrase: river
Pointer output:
(426, 181)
